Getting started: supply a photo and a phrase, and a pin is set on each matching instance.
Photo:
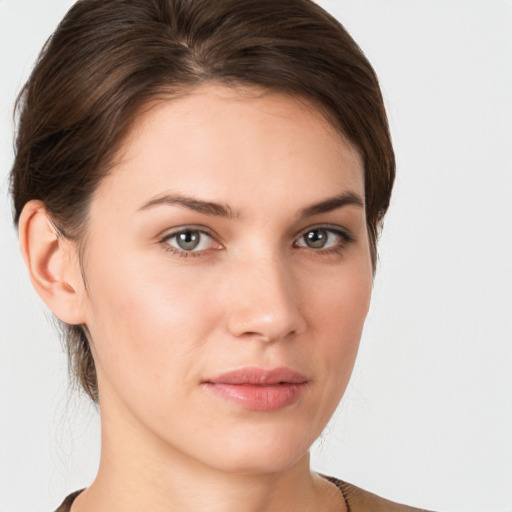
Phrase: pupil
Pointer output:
(316, 238)
(188, 240)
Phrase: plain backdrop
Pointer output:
(427, 419)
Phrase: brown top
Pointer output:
(357, 500)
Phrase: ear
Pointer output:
(53, 264)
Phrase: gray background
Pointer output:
(427, 419)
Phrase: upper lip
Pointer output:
(259, 376)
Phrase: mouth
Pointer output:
(258, 389)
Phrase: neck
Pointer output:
(140, 472)
(181, 485)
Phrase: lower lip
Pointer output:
(259, 398)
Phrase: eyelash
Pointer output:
(180, 252)
(345, 240)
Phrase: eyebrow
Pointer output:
(332, 203)
(206, 207)
(220, 210)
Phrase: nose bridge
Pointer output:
(264, 301)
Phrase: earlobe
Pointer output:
(52, 264)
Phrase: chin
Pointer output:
(259, 461)
(259, 450)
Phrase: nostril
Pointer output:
(269, 337)
(266, 315)
(259, 335)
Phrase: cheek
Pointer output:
(338, 312)
(341, 297)
(144, 319)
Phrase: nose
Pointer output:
(264, 301)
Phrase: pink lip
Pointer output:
(258, 389)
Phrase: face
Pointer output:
(228, 278)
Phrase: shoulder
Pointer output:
(66, 504)
(359, 500)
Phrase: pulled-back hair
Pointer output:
(108, 58)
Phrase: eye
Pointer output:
(189, 240)
(323, 238)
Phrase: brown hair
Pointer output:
(107, 58)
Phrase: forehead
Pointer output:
(222, 140)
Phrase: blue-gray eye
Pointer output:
(190, 240)
(319, 238)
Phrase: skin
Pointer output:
(161, 320)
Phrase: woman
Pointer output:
(198, 188)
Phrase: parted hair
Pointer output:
(108, 58)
